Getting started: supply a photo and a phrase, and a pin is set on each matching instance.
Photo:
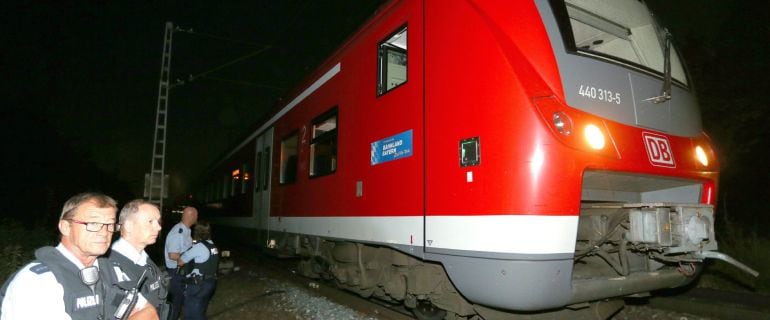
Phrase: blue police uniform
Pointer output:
(202, 261)
(179, 239)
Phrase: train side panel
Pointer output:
(498, 224)
(363, 199)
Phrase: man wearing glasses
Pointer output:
(139, 228)
(65, 282)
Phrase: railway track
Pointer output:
(370, 307)
(692, 304)
(266, 268)
(716, 304)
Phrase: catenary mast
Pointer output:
(156, 182)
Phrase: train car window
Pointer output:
(258, 172)
(618, 30)
(235, 182)
(289, 159)
(323, 148)
(247, 180)
(266, 170)
(391, 62)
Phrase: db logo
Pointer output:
(658, 150)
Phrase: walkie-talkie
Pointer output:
(129, 301)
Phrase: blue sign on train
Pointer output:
(392, 148)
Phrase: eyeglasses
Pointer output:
(97, 226)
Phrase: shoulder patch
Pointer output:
(40, 268)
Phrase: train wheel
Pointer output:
(314, 268)
(427, 311)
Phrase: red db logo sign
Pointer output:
(658, 150)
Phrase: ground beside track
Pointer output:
(264, 287)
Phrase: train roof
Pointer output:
(307, 80)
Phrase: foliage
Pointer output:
(19, 244)
(729, 68)
(745, 246)
(43, 169)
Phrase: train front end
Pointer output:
(601, 183)
(647, 212)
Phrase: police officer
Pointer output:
(178, 240)
(139, 227)
(200, 268)
(66, 282)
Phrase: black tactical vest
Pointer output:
(81, 301)
(155, 286)
(208, 268)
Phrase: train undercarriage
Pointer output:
(622, 250)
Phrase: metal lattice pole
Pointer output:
(158, 184)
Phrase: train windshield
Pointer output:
(622, 30)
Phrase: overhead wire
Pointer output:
(193, 77)
(244, 83)
(193, 32)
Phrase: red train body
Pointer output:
(456, 136)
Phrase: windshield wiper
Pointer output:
(665, 92)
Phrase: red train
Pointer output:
(476, 158)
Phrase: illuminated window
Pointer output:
(289, 159)
(323, 148)
(235, 182)
(391, 62)
(247, 179)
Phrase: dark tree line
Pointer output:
(40, 170)
(729, 65)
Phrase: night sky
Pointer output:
(80, 81)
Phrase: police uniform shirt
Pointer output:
(179, 239)
(200, 253)
(127, 250)
(37, 296)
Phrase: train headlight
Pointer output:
(562, 123)
(594, 137)
(700, 154)
(577, 129)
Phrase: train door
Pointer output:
(463, 106)
(263, 163)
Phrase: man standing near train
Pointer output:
(178, 240)
(66, 281)
(139, 227)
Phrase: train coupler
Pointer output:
(678, 229)
(728, 259)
